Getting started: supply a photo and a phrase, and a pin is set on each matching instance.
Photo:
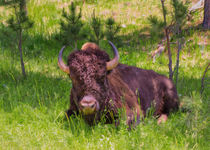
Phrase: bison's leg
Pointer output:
(162, 118)
(159, 110)
(133, 116)
(158, 103)
(166, 102)
(72, 110)
(171, 101)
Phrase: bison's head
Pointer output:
(88, 69)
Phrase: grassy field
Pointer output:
(32, 109)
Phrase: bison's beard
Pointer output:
(91, 119)
(102, 116)
(107, 117)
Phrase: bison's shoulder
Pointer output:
(145, 84)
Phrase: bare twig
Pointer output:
(177, 61)
(19, 35)
(202, 80)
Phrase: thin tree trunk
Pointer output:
(75, 45)
(24, 7)
(169, 55)
(177, 60)
(203, 78)
(206, 20)
(168, 41)
(21, 54)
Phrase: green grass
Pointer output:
(32, 109)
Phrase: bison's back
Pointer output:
(148, 86)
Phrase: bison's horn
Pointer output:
(114, 62)
(61, 64)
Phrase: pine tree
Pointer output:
(112, 28)
(157, 26)
(71, 26)
(179, 17)
(19, 22)
(206, 18)
(97, 27)
(178, 20)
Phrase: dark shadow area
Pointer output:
(40, 90)
(33, 46)
(36, 90)
(37, 45)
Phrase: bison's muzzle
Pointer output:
(88, 105)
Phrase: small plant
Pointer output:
(19, 23)
(112, 29)
(71, 26)
(175, 26)
(180, 11)
(206, 18)
(157, 27)
(97, 27)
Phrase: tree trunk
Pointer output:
(23, 6)
(75, 45)
(168, 41)
(203, 78)
(177, 61)
(206, 20)
(169, 54)
(21, 54)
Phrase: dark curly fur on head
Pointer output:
(88, 73)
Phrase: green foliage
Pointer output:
(91, 1)
(8, 37)
(179, 15)
(18, 20)
(9, 2)
(112, 29)
(99, 31)
(97, 26)
(156, 27)
(178, 20)
(180, 11)
(71, 26)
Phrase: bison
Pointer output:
(101, 87)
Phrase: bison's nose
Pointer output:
(88, 105)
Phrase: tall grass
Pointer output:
(32, 109)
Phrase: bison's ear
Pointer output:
(61, 64)
(114, 62)
(90, 45)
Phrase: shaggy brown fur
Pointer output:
(123, 87)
